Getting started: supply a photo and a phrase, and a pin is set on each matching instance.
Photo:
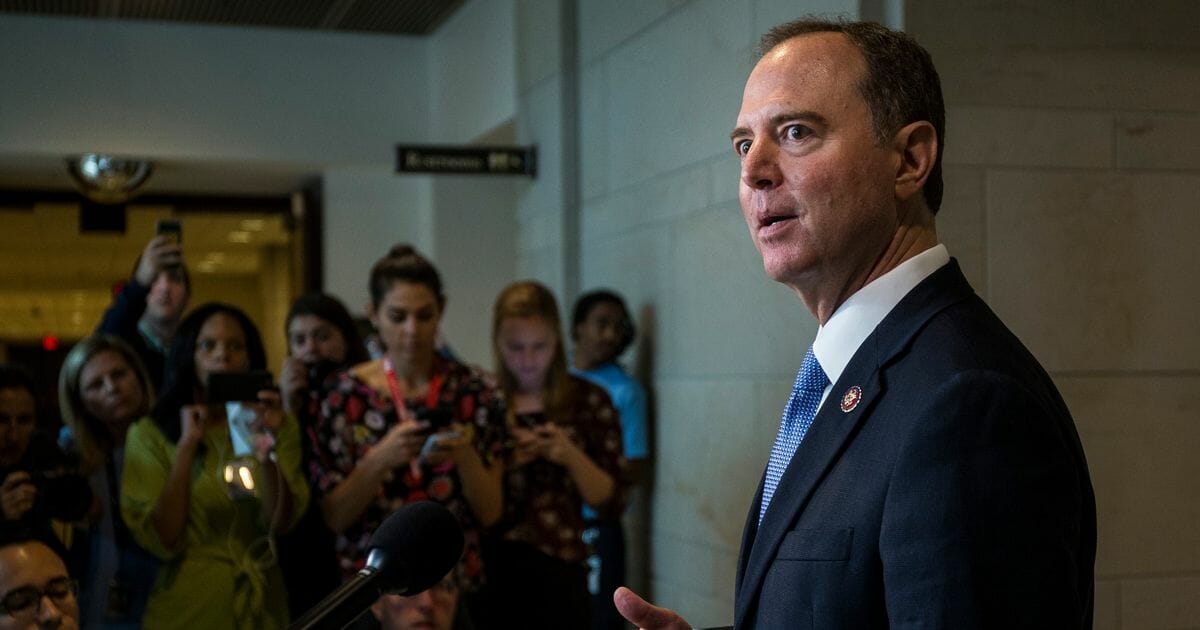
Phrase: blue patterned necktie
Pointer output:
(797, 417)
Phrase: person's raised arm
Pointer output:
(170, 514)
(122, 316)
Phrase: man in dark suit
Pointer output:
(927, 473)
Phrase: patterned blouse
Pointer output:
(354, 416)
(542, 504)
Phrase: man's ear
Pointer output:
(369, 308)
(917, 145)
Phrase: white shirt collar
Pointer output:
(857, 317)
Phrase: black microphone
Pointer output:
(413, 549)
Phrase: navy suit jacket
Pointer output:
(955, 494)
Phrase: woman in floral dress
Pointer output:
(412, 425)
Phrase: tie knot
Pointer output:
(812, 375)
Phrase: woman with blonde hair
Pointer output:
(102, 389)
(567, 453)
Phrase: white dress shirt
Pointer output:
(857, 317)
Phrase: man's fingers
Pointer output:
(643, 614)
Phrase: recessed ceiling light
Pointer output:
(239, 237)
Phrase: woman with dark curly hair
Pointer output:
(191, 498)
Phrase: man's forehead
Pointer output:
(17, 558)
(801, 72)
(811, 55)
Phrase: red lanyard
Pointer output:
(431, 396)
(402, 411)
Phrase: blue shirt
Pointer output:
(630, 401)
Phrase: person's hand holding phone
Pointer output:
(293, 383)
(193, 421)
(162, 252)
(553, 443)
(444, 445)
(401, 444)
(17, 495)
(526, 446)
(268, 411)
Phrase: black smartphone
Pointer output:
(171, 228)
(529, 420)
(437, 419)
(237, 386)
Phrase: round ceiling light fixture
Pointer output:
(107, 179)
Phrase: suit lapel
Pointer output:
(832, 429)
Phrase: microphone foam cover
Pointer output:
(420, 542)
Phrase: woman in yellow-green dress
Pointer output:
(189, 499)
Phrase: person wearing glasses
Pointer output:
(35, 590)
(435, 608)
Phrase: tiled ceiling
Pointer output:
(401, 17)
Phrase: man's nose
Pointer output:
(760, 166)
(48, 614)
(424, 599)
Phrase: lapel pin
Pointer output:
(850, 399)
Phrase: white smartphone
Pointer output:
(241, 433)
(432, 441)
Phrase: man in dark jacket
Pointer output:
(926, 473)
(150, 306)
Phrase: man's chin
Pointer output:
(162, 315)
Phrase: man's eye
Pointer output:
(797, 132)
(741, 147)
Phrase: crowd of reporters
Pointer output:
(172, 505)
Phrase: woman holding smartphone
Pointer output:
(567, 453)
(322, 339)
(207, 511)
(412, 425)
